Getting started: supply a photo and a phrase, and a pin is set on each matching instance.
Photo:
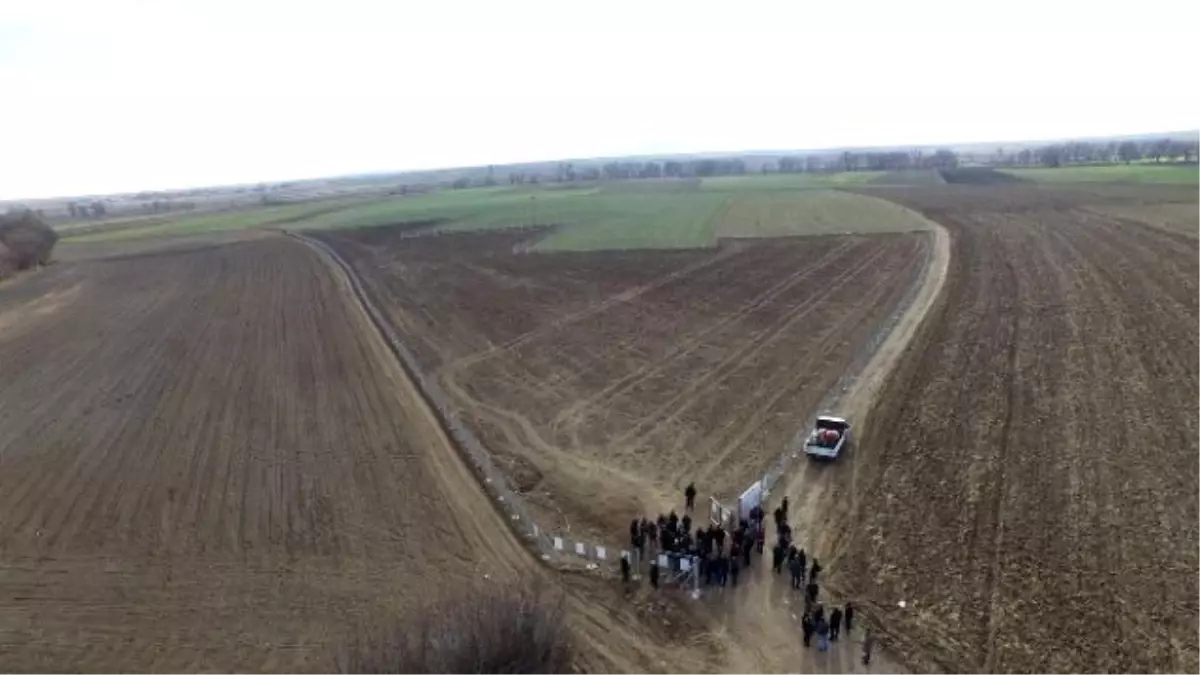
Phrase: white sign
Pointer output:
(685, 564)
(663, 560)
(580, 548)
(558, 544)
(752, 497)
(600, 554)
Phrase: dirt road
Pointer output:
(823, 501)
(612, 635)
(209, 461)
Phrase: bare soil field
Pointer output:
(209, 461)
(1030, 472)
(605, 381)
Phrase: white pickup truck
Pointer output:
(828, 437)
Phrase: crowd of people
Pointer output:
(719, 554)
(720, 565)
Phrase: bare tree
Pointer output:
(1128, 152)
(1160, 148)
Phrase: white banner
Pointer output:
(751, 498)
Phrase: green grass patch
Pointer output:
(210, 222)
(810, 212)
(664, 213)
(637, 220)
(787, 181)
(1126, 173)
(668, 217)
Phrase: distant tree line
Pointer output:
(1050, 155)
(1084, 152)
(897, 160)
(94, 209)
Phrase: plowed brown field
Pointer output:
(1032, 464)
(209, 461)
(605, 382)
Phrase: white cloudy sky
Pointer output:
(119, 95)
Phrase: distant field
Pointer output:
(614, 215)
(209, 222)
(910, 177)
(783, 214)
(787, 181)
(1134, 173)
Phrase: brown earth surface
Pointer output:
(1029, 475)
(209, 461)
(604, 382)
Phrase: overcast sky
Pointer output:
(116, 95)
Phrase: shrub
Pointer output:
(26, 240)
(489, 629)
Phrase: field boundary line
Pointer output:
(861, 382)
(505, 500)
(456, 432)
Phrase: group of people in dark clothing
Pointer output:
(720, 565)
(716, 563)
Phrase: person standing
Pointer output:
(797, 572)
(848, 617)
(816, 567)
(803, 563)
(625, 569)
(654, 574)
(746, 553)
(784, 506)
(734, 568)
(835, 624)
(689, 496)
(822, 634)
(868, 645)
(806, 628)
(776, 558)
(810, 595)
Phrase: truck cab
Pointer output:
(828, 437)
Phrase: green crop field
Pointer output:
(781, 214)
(664, 213)
(1129, 173)
(788, 181)
(207, 222)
